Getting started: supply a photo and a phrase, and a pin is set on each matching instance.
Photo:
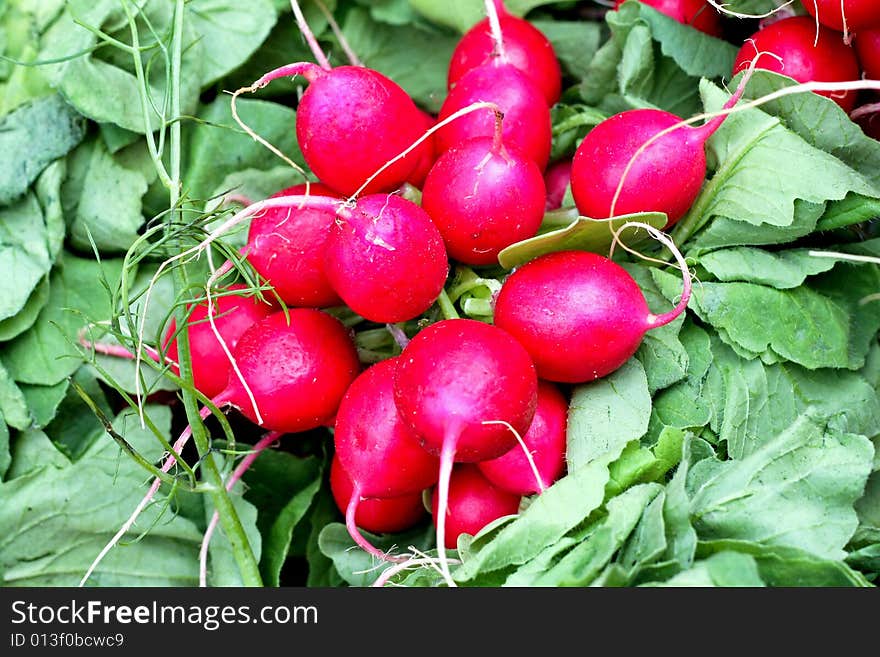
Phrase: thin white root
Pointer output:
(166, 466)
(525, 449)
(495, 26)
(388, 573)
(226, 350)
(722, 7)
(306, 31)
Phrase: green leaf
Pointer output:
(43, 401)
(33, 450)
(45, 355)
(415, 59)
(607, 414)
(584, 562)
(13, 404)
(816, 332)
(283, 488)
(582, 234)
(5, 455)
(322, 572)
(109, 207)
(724, 568)
(854, 209)
(228, 32)
(102, 85)
(796, 489)
(56, 520)
(789, 566)
(14, 326)
(460, 15)
(356, 566)
(696, 53)
(751, 147)
(219, 147)
(33, 136)
(547, 519)
(822, 123)
(574, 42)
(782, 270)
(75, 428)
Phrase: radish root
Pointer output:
(525, 449)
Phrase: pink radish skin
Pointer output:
(525, 47)
(456, 374)
(484, 196)
(545, 440)
(625, 165)
(696, 13)
(557, 179)
(860, 14)
(868, 49)
(379, 516)
(792, 41)
(286, 247)
(454, 378)
(234, 314)
(474, 502)
(386, 259)
(427, 154)
(380, 453)
(578, 314)
(526, 115)
(297, 370)
(350, 121)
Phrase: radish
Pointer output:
(800, 55)
(286, 247)
(545, 441)
(474, 502)
(484, 195)
(386, 259)
(378, 451)
(526, 116)
(233, 315)
(696, 13)
(378, 515)
(557, 179)
(525, 47)
(294, 367)
(461, 386)
(642, 161)
(579, 315)
(350, 121)
(427, 154)
(858, 14)
(868, 49)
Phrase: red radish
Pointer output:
(380, 516)
(859, 14)
(579, 315)
(233, 315)
(386, 259)
(427, 155)
(378, 451)
(557, 178)
(546, 442)
(637, 161)
(800, 56)
(456, 381)
(526, 115)
(868, 49)
(484, 196)
(525, 47)
(297, 366)
(696, 13)
(350, 121)
(474, 502)
(286, 247)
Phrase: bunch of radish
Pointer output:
(468, 419)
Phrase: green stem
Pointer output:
(229, 520)
(446, 306)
